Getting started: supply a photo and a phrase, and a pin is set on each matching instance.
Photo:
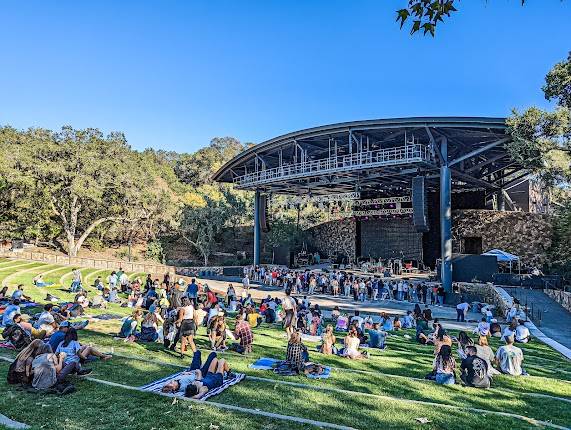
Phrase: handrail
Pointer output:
(359, 160)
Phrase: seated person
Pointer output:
(129, 327)
(99, 301)
(45, 369)
(509, 358)
(487, 354)
(495, 329)
(441, 338)
(357, 319)
(57, 338)
(20, 371)
(510, 330)
(396, 323)
(207, 377)
(522, 334)
(296, 353)
(10, 312)
(328, 341)
(377, 337)
(474, 369)
(483, 327)
(46, 320)
(254, 318)
(444, 365)
(18, 294)
(33, 332)
(463, 341)
(99, 284)
(217, 333)
(243, 333)
(427, 313)
(422, 331)
(150, 326)
(4, 294)
(342, 323)
(408, 321)
(75, 353)
(351, 344)
(335, 314)
(388, 324)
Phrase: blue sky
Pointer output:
(172, 75)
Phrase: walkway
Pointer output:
(555, 320)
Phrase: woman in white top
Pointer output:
(352, 345)
(187, 326)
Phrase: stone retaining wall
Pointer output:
(527, 235)
(485, 293)
(561, 297)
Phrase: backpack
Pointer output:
(17, 336)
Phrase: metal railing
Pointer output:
(360, 160)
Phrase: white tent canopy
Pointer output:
(505, 257)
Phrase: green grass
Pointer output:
(379, 398)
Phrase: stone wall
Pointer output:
(561, 297)
(527, 235)
(334, 236)
(485, 293)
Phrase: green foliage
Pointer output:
(558, 83)
(94, 244)
(426, 14)
(155, 251)
(542, 143)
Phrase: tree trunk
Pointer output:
(205, 260)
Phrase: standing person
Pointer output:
(444, 366)
(76, 280)
(474, 369)
(230, 295)
(246, 282)
(509, 358)
(187, 327)
(192, 291)
(461, 310)
(290, 308)
(124, 281)
(441, 295)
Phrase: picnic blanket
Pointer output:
(156, 386)
(266, 363)
(7, 345)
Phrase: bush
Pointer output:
(155, 251)
(94, 244)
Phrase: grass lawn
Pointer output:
(385, 391)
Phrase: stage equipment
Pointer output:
(419, 204)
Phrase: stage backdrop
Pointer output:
(386, 238)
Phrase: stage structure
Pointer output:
(381, 159)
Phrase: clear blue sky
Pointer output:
(173, 75)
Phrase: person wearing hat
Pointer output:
(57, 337)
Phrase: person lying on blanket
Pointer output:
(208, 377)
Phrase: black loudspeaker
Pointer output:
(263, 213)
(419, 204)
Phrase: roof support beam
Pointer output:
(485, 163)
(434, 145)
(479, 150)
(468, 178)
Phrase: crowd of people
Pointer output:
(342, 283)
(174, 312)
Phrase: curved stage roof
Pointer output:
(381, 154)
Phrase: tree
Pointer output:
(542, 143)
(202, 222)
(84, 179)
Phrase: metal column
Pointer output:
(257, 231)
(445, 219)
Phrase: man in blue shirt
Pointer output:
(9, 312)
(57, 337)
(377, 337)
(192, 291)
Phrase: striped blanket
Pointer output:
(157, 386)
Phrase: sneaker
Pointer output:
(84, 371)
